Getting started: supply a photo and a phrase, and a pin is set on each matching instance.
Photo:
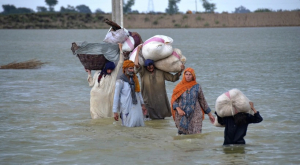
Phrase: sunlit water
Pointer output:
(45, 119)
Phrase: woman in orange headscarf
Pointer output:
(188, 104)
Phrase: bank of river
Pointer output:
(145, 21)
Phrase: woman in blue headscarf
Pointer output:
(103, 86)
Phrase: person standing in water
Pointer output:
(154, 89)
(103, 86)
(189, 105)
(128, 99)
(236, 126)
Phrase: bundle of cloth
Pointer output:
(159, 49)
(118, 34)
(231, 103)
(93, 56)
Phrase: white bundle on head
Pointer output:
(118, 36)
(128, 45)
(232, 102)
(172, 63)
(155, 48)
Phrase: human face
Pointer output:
(108, 71)
(130, 71)
(188, 76)
(150, 68)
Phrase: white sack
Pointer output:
(118, 36)
(232, 102)
(157, 47)
(128, 45)
(172, 63)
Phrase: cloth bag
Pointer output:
(172, 63)
(155, 48)
(231, 103)
(118, 36)
(128, 45)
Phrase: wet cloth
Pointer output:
(192, 102)
(234, 134)
(154, 92)
(132, 114)
(102, 92)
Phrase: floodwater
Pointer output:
(45, 118)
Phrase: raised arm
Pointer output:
(138, 68)
(256, 118)
(120, 63)
(90, 79)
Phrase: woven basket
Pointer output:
(92, 61)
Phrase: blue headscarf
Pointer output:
(149, 62)
(108, 65)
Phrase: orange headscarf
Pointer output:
(127, 64)
(181, 87)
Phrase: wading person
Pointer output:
(103, 86)
(154, 89)
(189, 104)
(236, 126)
(128, 99)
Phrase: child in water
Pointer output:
(236, 126)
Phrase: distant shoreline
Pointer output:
(149, 21)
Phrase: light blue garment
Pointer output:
(132, 114)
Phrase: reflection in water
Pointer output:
(234, 149)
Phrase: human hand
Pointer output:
(182, 67)
(116, 116)
(144, 109)
(211, 118)
(252, 106)
(87, 70)
(180, 111)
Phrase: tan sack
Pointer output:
(118, 36)
(232, 102)
(172, 63)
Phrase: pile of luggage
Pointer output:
(157, 48)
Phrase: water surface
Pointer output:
(45, 119)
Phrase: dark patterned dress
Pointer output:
(191, 102)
